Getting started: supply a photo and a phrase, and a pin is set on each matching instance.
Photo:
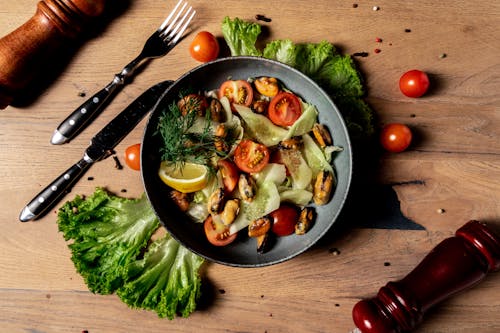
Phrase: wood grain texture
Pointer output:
(453, 165)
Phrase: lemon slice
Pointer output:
(190, 178)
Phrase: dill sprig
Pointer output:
(180, 145)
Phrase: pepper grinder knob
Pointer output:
(453, 265)
(34, 45)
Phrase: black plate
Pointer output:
(242, 252)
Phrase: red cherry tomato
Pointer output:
(217, 233)
(414, 83)
(204, 47)
(237, 91)
(133, 156)
(395, 137)
(230, 174)
(284, 109)
(284, 220)
(251, 156)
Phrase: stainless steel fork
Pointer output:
(158, 44)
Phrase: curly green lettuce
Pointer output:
(110, 239)
(241, 36)
(335, 73)
(166, 280)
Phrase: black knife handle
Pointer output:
(50, 195)
(83, 115)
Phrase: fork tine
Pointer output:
(182, 27)
(167, 20)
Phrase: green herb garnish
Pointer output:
(182, 143)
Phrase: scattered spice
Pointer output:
(260, 17)
(90, 178)
(440, 211)
(85, 331)
(413, 115)
(378, 40)
(442, 56)
(360, 54)
(334, 251)
(407, 30)
(222, 291)
(123, 190)
(337, 304)
(377, 50)
(375, 8)
(261, 296)
(387, 263)
(118, 165)
(48, 296)
(82, 94)
(354, 5)
(270, 314)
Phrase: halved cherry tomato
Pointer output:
(204, 47)
(284, 109)
(395, 137)
(230, 174)
(251, 156)
(284, 220)
(133, 156)
(267, 86)
(237, 91)
(414, 83)
(217, 233)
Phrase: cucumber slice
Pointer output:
(259, 127)
(265, 201)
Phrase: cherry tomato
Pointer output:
(284, 109)
(230, 174)
(133, 156)
(284, 220)
(414, 83)
(395, 137)
(251, 156)
(217, 233)
(204, 47)
(237, 91)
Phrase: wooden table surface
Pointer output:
(402, 205)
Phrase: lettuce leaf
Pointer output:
(109, 246)
(241, 36)
(335, 73)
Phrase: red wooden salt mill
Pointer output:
(452, 266)
(37, 43)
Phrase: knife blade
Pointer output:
(101, 146)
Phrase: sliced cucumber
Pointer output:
(314, 156)
(297, 167)
(259, 127)
(265, 201)
(305, 122)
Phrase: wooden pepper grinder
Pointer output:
(452, 266)
(38, 42)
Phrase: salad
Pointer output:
(248, 157)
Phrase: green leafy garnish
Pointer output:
(181, 144)
(334, 72)
(241, 36)
(110, 237)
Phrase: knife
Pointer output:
(101, 146)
